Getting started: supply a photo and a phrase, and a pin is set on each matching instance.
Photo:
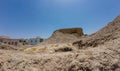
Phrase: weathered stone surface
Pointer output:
(64, 35)
(74, 31)
(109, 32)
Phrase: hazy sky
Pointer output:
(30, 18)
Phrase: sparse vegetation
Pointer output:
(31, 50)
(21, 40)
(81, 45)
(52, 45)
(43, 49)
(22, 49)
(57, 45)
(69, 44)
(65, 49)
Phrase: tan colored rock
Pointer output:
(108, 33)
(74, 31)
(64, 36)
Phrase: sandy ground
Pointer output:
(101, 58)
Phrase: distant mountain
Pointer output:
(5, 37)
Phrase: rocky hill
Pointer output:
(101, 52)
(108, 33)
(64, 35)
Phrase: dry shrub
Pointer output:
(65, 49)
(43, 49)
(80, 44)
(68, 44)
(31, 50)
(22, 49)
(56, 45)
(52, 45)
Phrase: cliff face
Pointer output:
(108, 33)
(64, 35)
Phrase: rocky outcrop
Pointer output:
(110, 32)
(64, 35)
(71, 31)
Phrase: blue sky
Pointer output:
(30, 18)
